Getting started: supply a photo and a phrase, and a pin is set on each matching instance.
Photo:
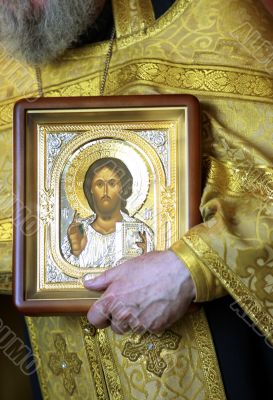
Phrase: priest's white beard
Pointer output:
(40, 33)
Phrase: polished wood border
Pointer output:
(43, 307)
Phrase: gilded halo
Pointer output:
(87, 154)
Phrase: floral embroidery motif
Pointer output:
(254, 306)
(64, 363)
(6, 230)
(150, 346)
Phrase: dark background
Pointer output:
(13, 383)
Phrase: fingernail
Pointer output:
(88, 278)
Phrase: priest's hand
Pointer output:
(147, 293)
(77, 236)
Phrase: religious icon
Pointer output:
(105, 180)
(100, 239)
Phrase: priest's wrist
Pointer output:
(188, 279)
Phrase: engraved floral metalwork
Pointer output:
(150, 347)
(168, 202)
(55, 142)
(46, 206)
(54, 274)
(160, 142)
(64, 363)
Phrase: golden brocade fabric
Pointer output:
(178, 364)
(132, 16)
(222, 52)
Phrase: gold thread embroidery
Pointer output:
(98, 348)
(205, 345)
(150, 346)
(109, 367)
(228, 179)
(203, 80)
(132, 16)
(6, 230)
(39, 367)
(197, 272)
(64, 363)
(214, 387)
(261, 265)
(232, 283)
(92, 351)
(176, 10)
(221, 81)
(147, 12)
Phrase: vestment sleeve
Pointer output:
(207, 286)
(232, 248)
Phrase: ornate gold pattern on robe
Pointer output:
(132, 16)
(218, 51)
(191, 370)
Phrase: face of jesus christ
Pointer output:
(106, 190)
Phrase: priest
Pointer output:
(222, 52)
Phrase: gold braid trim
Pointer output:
(235, 181)
(40, 367)
(176, 10)
(207, 286)
(109, 367)
(101, 362)
(197, 272)
(182, 78)
(203, 80)
(247, 300)
(214, 386)
(93, 355)
(132, 16)
(6, 230)
(147, 12)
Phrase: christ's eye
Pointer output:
(112, 182)
(99, 184)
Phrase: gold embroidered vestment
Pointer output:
(220, 52)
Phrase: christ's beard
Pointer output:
(42, 33)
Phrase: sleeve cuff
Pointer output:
(207, 286)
